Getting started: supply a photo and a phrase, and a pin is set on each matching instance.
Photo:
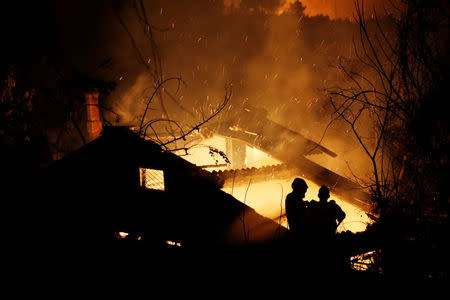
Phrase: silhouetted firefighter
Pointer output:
(323, 217)
(295, 207)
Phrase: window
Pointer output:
(152, 179)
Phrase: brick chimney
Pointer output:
(94, 124)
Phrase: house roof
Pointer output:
(119, 150)
(121, 144)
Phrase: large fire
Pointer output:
(266, 197)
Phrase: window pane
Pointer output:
(152, 179)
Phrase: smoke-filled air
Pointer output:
(307, 136)
(280, 56)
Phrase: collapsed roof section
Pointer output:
(253, 127)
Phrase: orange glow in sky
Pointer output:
(342, 9)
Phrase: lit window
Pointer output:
(152, 179)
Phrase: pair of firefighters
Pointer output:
(313, 219)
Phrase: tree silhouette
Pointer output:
(394, 105)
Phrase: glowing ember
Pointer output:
(173, 244)
(122, 235)
(366, 261)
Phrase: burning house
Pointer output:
(317, 94)
(123, 187)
